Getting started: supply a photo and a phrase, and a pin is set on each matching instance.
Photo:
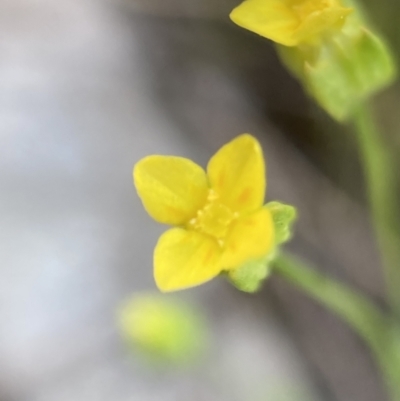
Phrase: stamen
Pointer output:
(213, 219)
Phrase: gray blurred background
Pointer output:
(87, 88)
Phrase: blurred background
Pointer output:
(88, 87)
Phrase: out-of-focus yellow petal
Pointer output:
(172, 189)
(237, 174)
(289, 22)
(319, 21)
(185, 259)
(272, 19)
(250, 237)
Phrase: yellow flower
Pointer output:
(219, 218)
(290, 22)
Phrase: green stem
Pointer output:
(355, 309)
(358, 311)
(381, 184)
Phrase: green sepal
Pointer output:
(349, 73)
(250, 276)
(283, 217)
(332, 84)
(373, 66)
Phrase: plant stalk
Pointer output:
(368, 321)
(380, 179)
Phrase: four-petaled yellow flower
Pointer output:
(219, 215)
(290, 22)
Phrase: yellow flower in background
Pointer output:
(328, 45)
(290, 22)
(219, 219)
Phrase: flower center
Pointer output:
(213, 219)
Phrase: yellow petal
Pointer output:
(251, 237)
(172, 189)
(185, 259)
(272, 19)
(237, 174)
(319, 21)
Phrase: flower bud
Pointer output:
(162, 328)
